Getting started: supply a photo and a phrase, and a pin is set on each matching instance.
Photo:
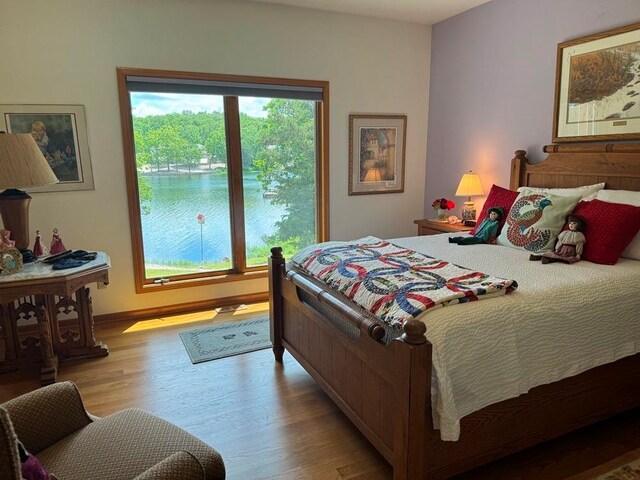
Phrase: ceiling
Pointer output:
(426, 12)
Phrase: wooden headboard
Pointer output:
(578, 164)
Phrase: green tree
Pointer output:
(143, 157)
(287, 164)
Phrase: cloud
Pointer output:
(144, 104)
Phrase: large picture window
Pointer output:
(219, 169)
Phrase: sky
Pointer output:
(144, 104)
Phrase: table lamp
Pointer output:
(469, 185)
(373, 175)
(22, 165)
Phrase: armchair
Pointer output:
(52, 424)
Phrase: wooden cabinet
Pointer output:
(432, 227)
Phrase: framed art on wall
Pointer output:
(598, 87)
(61, 134)
(376, 153)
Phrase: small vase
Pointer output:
(443, 215)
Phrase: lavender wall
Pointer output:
(493, 80)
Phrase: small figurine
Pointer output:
(5, 240)
(56, 243)
(487, 231)
(569, 246)
(39, 250)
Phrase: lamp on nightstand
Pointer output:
(22, 165)
(469, 185)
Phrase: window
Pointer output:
(219, 169)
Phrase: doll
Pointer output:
(569, 246)
(487, 231)
(5, 240)
(39, 249)
(56, 243)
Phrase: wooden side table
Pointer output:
(47, 300)
(433, 227)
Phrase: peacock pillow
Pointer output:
(535, 220)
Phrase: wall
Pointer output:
(493, 81)
(67, 51)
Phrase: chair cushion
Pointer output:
(124, 445)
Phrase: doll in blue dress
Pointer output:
(487, 231)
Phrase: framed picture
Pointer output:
(376, 153)
(598, 87)
(61, 133)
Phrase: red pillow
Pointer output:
(610, 227)
(498, 197)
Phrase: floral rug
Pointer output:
(225, 340)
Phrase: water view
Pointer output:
(173, 233)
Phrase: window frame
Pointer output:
(232, 124)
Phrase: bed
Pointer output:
(385, 387)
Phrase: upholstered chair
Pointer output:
(71, 444)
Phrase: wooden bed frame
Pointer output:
(385, 389)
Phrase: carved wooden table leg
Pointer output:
(49, 369)
(90, 347)
(9, 362)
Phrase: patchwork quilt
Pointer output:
(395, 283)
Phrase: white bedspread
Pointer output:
(562, 320)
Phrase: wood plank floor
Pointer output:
(271, 421)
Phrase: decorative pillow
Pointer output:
(627, 197)
(498, 197)
(30, 466)
(535, 220)
(588, 192)
(609, 229)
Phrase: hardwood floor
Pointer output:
(273, 422)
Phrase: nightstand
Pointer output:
(431, 227)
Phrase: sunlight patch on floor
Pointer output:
(246, 311)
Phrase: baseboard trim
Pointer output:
(153, 312)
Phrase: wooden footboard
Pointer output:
(383, 389)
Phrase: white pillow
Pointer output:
(627, 197)
(535, 220)
(588, 192)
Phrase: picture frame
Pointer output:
(376, 153)
(61, 133)
(10, 260)
(597, 95)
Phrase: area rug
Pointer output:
(225, 340)
(626, 467)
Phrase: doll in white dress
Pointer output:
(570, 243)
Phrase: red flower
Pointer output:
(443, 204)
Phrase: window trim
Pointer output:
(143, 285)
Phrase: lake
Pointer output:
(171, 230)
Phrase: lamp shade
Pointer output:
(373, 175)
(469, 185)
(22, 164)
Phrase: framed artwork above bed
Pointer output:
(598, 87)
